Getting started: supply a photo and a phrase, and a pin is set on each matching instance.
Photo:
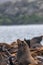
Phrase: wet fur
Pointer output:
(24, 56)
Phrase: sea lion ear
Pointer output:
(19, 42)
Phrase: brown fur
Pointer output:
(5, 44)
(35, 42)
(24, 56)
(3, 59)
(14, 47)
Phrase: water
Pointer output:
(12, 33)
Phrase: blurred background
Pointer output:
(21, 12)
(20, 19)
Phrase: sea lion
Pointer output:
(37, 39)
(36, 42)
(23, 55)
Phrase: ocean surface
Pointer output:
(9, 34)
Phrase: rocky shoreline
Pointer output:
(22, 52)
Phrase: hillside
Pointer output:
(21, 12)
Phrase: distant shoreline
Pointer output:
(21, 25)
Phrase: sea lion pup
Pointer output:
(37, 39)
(23, 55)
(35, 42)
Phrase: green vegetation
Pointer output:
(20, 19)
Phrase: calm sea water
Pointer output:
(12, 33)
